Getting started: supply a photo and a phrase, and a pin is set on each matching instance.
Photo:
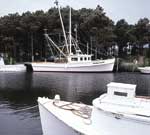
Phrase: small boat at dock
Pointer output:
(11, 68)
(144, 70)
(119, 111)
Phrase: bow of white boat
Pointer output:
(76, 116)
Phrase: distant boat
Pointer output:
(145, 70)
(116, 112)
(71, 58)
(11, 68)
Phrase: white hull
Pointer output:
(96, 66)
(117, 123)
(145, 70)
(12, 68)
(114, 113)
(51, 125)
(56, 121)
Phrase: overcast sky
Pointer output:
(130, 10)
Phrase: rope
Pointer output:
(20, 110)
(65, 105)
(83, 112)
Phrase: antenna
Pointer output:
(56, 2)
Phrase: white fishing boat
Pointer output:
(145, 70)
(11, 68)
(116, 112)
(71, 58)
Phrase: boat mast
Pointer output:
(70, 32)
(56, 2)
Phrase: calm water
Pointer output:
(20, 90)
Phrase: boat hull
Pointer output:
(111, 114)
(102, 122)
(144, 70)
(123, 123)
(97, 66)
(12, 68)
(51, 125)
(57, 121)
(119, 125)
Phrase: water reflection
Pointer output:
(141, 80)
(72, 86)
(21, 90)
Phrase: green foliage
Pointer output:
(17, 31)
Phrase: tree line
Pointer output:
(20, 35)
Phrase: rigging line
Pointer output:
(50, 47)
(76, 45)
(20, 110)
(54, 48)
(105, 54)
(50, 40)
(94, 50)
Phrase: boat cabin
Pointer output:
(79, 58)
(121, 90)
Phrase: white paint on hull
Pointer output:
(12, 68)
(117, 123)
(145, 70)
(51, 125)
(97, 66)
(117, 112)
(1, 61)
(56, 121)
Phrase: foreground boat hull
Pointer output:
(51, 125)
(114, 113)
(119, 124)
(97, 66)
(56, 121)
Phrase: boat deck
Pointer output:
(74, 117)
(136, 108)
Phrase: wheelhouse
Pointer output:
(79, 58)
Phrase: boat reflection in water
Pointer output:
(72, 86)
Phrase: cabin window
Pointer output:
(74, 59)
(85, 58)
(81, 59)
(120, 94)
(88, 58)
